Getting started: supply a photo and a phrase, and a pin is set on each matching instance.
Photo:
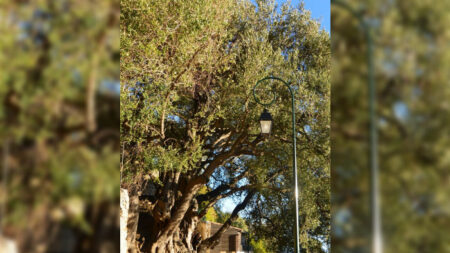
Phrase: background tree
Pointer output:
(58, 134)
(188, 118)
(412, 62)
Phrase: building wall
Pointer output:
(230, 242)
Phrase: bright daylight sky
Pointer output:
(320, 10)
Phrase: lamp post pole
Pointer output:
(294, 151)
(377, 242)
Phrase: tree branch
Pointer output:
(214, 239)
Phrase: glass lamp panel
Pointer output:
(266, 126)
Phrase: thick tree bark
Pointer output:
(168, 218)
(159, 233)
(132, 223)
(181, 233)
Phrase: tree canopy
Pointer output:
(189, 120)
(59, 118)
(411, 64)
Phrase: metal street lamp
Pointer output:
(377, 237)
(266, 127)
(266, 122)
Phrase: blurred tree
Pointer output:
(412, 61)
(216, 215)
(211, 215)
(259, 246)
(272, 213)
(58, 68)
(188, 118)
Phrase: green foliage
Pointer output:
(216, 215)
(222, 217)
(258, 246)
(411, 64)
(52, 51)
(187, 108)
(211, 215)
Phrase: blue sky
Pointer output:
(320, 10)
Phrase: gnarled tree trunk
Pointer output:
(168, 224)
(165, 226)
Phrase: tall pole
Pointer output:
(377, 244)
(296, 190)
(294, 153)
(375, 206)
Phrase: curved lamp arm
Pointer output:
(294, 149)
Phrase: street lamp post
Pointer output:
(266, 127)
(377, 242)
